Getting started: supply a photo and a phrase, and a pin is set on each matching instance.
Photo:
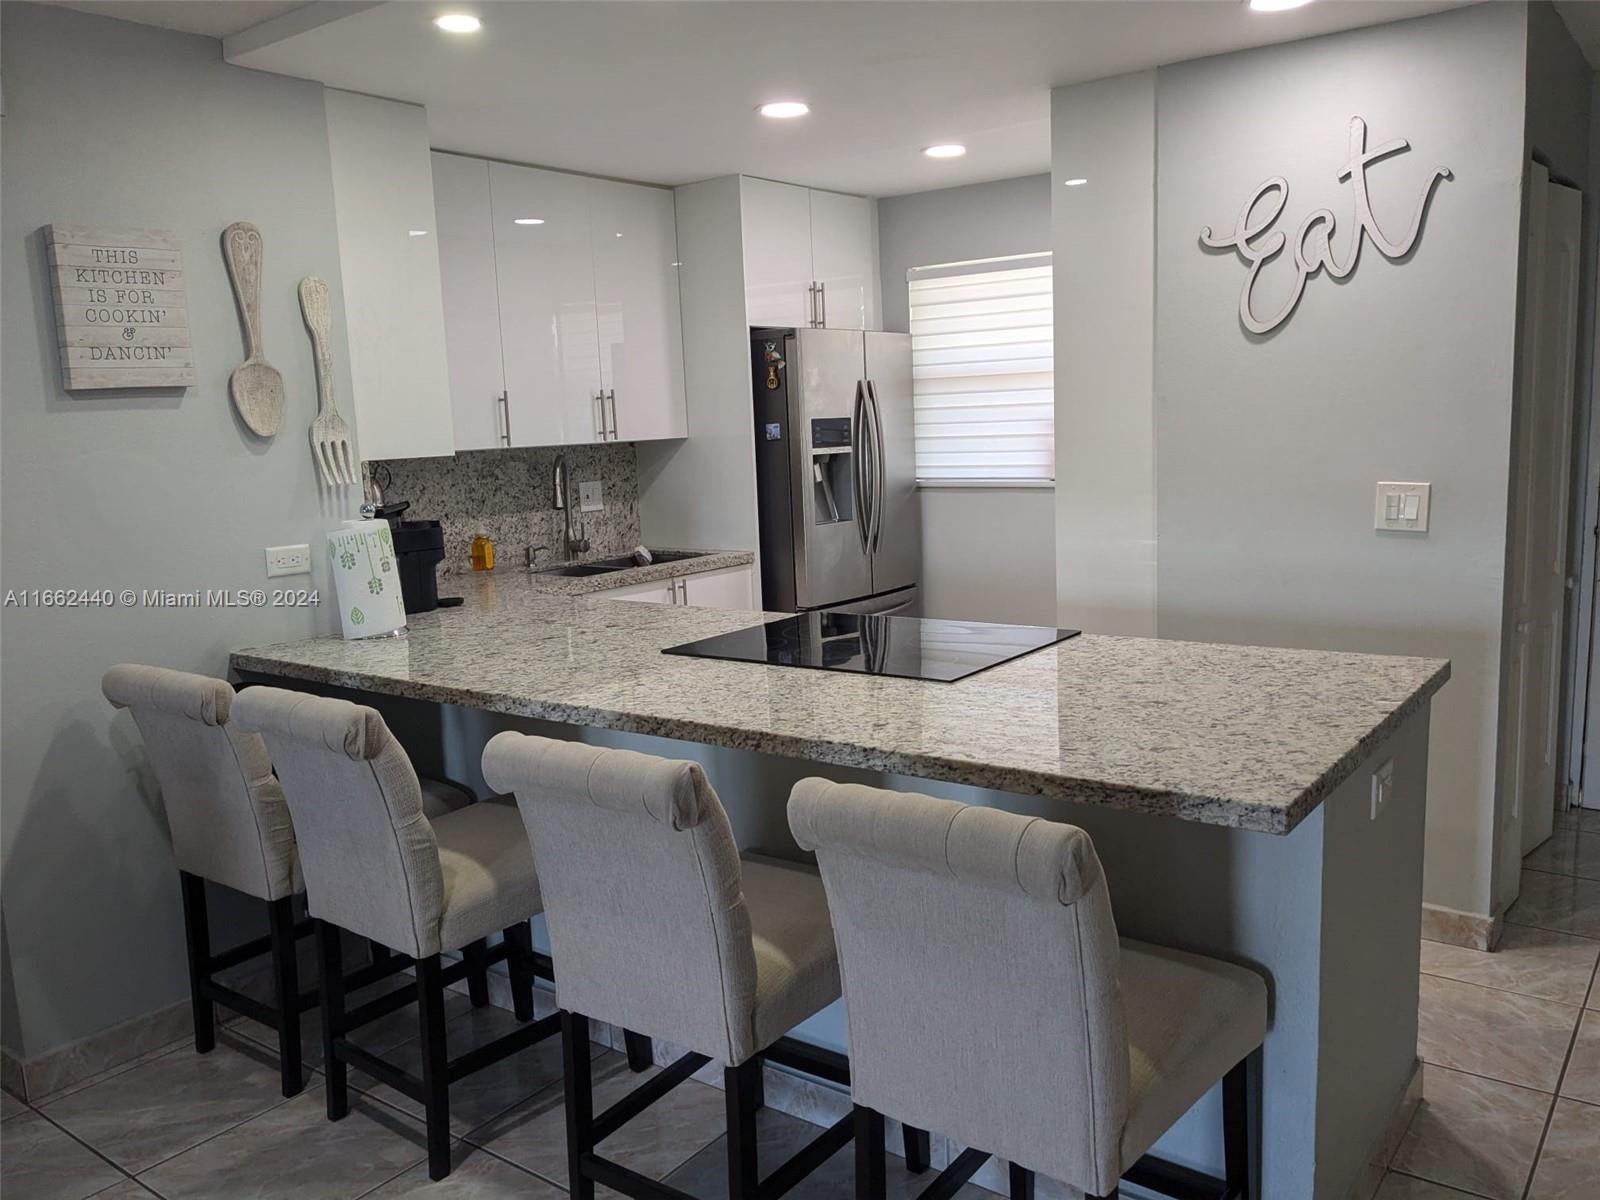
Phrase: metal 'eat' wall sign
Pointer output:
(121, 316)
(1312, 244)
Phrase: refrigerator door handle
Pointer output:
(878, 457)
(858, 454)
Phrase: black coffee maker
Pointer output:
(418, 551)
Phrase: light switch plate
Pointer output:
(1402, 506)
(1382, 786)
(288, 560)
(590, 497)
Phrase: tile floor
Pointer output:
(1510, 1043)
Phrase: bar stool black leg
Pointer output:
(1236, 1132)
(197, 931)
(477, 956)
(519, 965)
(919, 1151)
(330, 961)
(380, 953)
(286, 991)
(871, 1178)
(1021, 1183)
(435, 1064)
(578, 1085)
(739, 1096)
(641, 1055)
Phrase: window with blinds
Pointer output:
(983, 371)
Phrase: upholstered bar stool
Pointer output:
(657, 925)
(1041, 1037)
(230, 826)
(376, 865)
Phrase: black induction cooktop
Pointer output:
(869, 644)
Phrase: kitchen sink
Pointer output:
(580, 570)
(619, 562)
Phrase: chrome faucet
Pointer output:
(573, 543)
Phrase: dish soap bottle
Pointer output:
(482, 553)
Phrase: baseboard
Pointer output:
(1472, 930)
(11, 1072)
(1394, 1131)
(51, 1072)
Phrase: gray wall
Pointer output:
(1267, 449)
(987, 553)
(1105, 132)
(112, 123)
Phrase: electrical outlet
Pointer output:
(1382, 786)
(590, 497)
(288, 560)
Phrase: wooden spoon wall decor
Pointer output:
(256, 387)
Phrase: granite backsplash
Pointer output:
(506, 495)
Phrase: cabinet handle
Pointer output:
(822, 303)
(598, 412)
(612, 396)
(811, 299)
(504, 401)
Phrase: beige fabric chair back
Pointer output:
(641, 883)
(227, 814)
(369, 855)
(980, 973)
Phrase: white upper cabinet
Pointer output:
(779, 283)
(844, 260)
(544, 269)
(471, 305)
(561, 302)
(389, 263)
(633, 231)
(810, 258)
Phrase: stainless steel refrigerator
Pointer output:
(835, 473)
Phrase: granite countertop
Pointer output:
(585, 585)
(1242, 736)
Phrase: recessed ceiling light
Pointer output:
(1073, 182)
(418, 232)
(528, 221)
(1276, 5)
(947, 150)
(784, 110)
(458, 23)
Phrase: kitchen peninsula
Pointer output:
(1263, 805)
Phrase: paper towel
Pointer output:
(366, 580)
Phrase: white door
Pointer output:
(778, 277)
(545, 277)
(843, 262)
(635, 243)
(1539, 554)
(729, 588)
(465, 225)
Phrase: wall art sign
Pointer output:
(121, 316)
(1313, 241)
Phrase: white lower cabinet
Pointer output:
(718, 589)
(661, 592)
(727, 588)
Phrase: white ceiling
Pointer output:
(665, 90)
(213, 19)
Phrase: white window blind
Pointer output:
(983, 371)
